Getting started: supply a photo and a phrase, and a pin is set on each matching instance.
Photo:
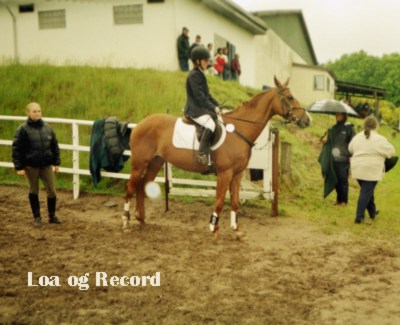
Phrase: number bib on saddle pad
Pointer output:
(185, 137)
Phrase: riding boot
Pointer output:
(51, 206)
(35, 207)
(204, 149)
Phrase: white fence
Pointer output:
(261, 159)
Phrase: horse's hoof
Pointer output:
(126, 230)
(240, 235)
(125, 220)
(126, 215)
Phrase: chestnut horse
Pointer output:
(151, 145)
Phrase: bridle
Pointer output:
(285, 103)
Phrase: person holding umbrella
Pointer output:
(335, 156)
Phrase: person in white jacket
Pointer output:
(369, 151)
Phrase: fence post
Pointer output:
(286, 159)
(166, 185)
(75, 159)
(275, 172)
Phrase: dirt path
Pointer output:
(285, 272)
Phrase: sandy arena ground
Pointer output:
(284, 272)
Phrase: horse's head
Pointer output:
(288, 107)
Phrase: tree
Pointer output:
(362, 68)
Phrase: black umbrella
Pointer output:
(331, 106)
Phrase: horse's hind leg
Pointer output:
(130, 189)
(152, 170)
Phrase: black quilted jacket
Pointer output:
(35, 144)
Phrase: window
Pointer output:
(26, 8)
(318, 82)
(51, 19)
(128, 14)
(154, 1)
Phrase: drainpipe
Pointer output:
(14, 19)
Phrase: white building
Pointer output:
(143, 34)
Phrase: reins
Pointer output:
(289, 117)
(242, 120)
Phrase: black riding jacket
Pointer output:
(35, 144)
(199, 100)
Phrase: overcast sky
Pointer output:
(338, 27)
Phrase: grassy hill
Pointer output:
(91, 93)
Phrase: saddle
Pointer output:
(186, 135)
(200, 129)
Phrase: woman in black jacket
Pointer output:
(35, 154)
(201, 107)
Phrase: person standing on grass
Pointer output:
(36, 154)
(197, 42)
(369, 151)
(183, 49)
(219, 63)
(235, 67)
(337, 140)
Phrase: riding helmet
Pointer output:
(199, 53)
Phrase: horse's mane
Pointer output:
(251, 103)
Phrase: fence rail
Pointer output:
(260, 159)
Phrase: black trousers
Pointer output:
(184, 64)
(342, 186)
(366, 200)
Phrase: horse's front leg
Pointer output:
(234, 189)
(223, 180)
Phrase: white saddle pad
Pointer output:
(184, 136)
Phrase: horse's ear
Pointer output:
(286, 83)
(277, 82)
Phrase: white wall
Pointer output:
(302, 85)
(6, 35)
(91, 37)
(273, 58)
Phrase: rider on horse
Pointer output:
(201, 107)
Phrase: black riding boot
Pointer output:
(51, 206)
(35, 207)
(204, 149)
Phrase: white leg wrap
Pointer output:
(213, 221)
(233, 220)
(125, 222)
(125, 216)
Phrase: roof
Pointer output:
(237, 14)
(358, 90)
(290, 25)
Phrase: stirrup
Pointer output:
(202, 158)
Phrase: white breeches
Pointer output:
(205, 121)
